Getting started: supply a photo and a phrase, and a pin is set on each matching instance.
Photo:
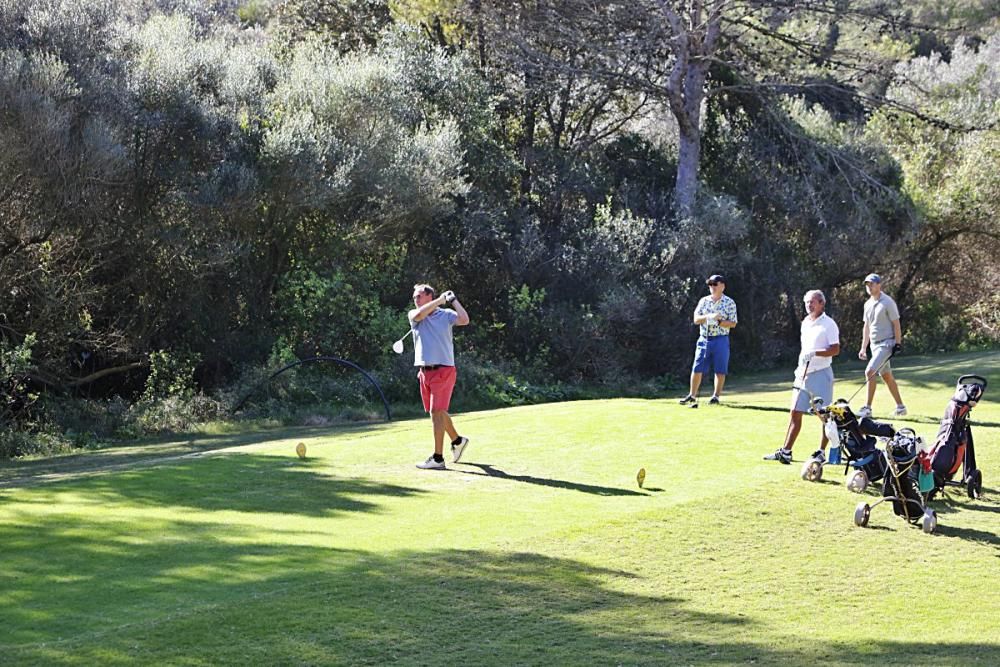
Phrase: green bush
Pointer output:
(15, 400)
(174, 414)
(15, 444)
(171, 374)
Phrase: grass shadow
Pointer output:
(492, 471)
(234, 482)
(761, 408)
(970, 534)
(155, 450)
(198, 598)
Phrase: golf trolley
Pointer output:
(901, 483)
(856, 438)
(953, 446)
(852, 439)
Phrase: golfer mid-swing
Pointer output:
(434, 355)
(820, 338)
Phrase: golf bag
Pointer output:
(857, 440)
(953, 446)
(901, 482)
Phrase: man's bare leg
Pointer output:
(449, 427)
(695, 383)
(890, 382)
(794, 426)
(438, 420)
(872, 381)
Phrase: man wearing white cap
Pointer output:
(882, 331)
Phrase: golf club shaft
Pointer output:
(874, 375)
(805, 374)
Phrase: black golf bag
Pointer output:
(857, 440)
(902, 481)
(953, 446)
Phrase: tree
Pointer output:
(685, 52)
(952, 176)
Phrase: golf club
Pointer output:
(802, 387)
(875, 374)
(397, 347)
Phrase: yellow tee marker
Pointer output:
(641, 477)
(300, 449)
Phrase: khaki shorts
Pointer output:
(880, 355)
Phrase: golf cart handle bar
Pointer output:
(977, 379)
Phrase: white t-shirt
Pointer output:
(819, 334)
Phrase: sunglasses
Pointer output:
(712, 284)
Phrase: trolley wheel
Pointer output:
(812, 470)
(974, 485)
(861, 514)
(929, 522)
(857, 481)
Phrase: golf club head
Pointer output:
(397, 347)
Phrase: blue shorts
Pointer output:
(711, 353)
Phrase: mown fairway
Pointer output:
(540, 548)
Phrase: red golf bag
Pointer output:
(954, 447)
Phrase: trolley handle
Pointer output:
(972, 379)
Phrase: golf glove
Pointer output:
(897, 348)
(449, 296)
(806, 357)
(710, 317)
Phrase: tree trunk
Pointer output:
(688, 158)
(694, 35)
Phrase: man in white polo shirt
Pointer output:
(882, 330)
(820, 340)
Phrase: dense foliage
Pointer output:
(193, 193)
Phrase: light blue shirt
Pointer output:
(879, 315)
(432, 341)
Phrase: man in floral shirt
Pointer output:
(715, 315)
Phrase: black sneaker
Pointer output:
(714, 400)
(783, 455)
(688, 399)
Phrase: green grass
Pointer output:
(540, 549)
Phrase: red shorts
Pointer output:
(436, 387)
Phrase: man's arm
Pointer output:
(463, 317)
(704, 318)
(865, 339)
(423, 311)
(897, 332)
(831, 351)
(727, 323)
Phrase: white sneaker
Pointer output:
(866, 411)
(900, 411)
(458, 449)
(431, 464)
